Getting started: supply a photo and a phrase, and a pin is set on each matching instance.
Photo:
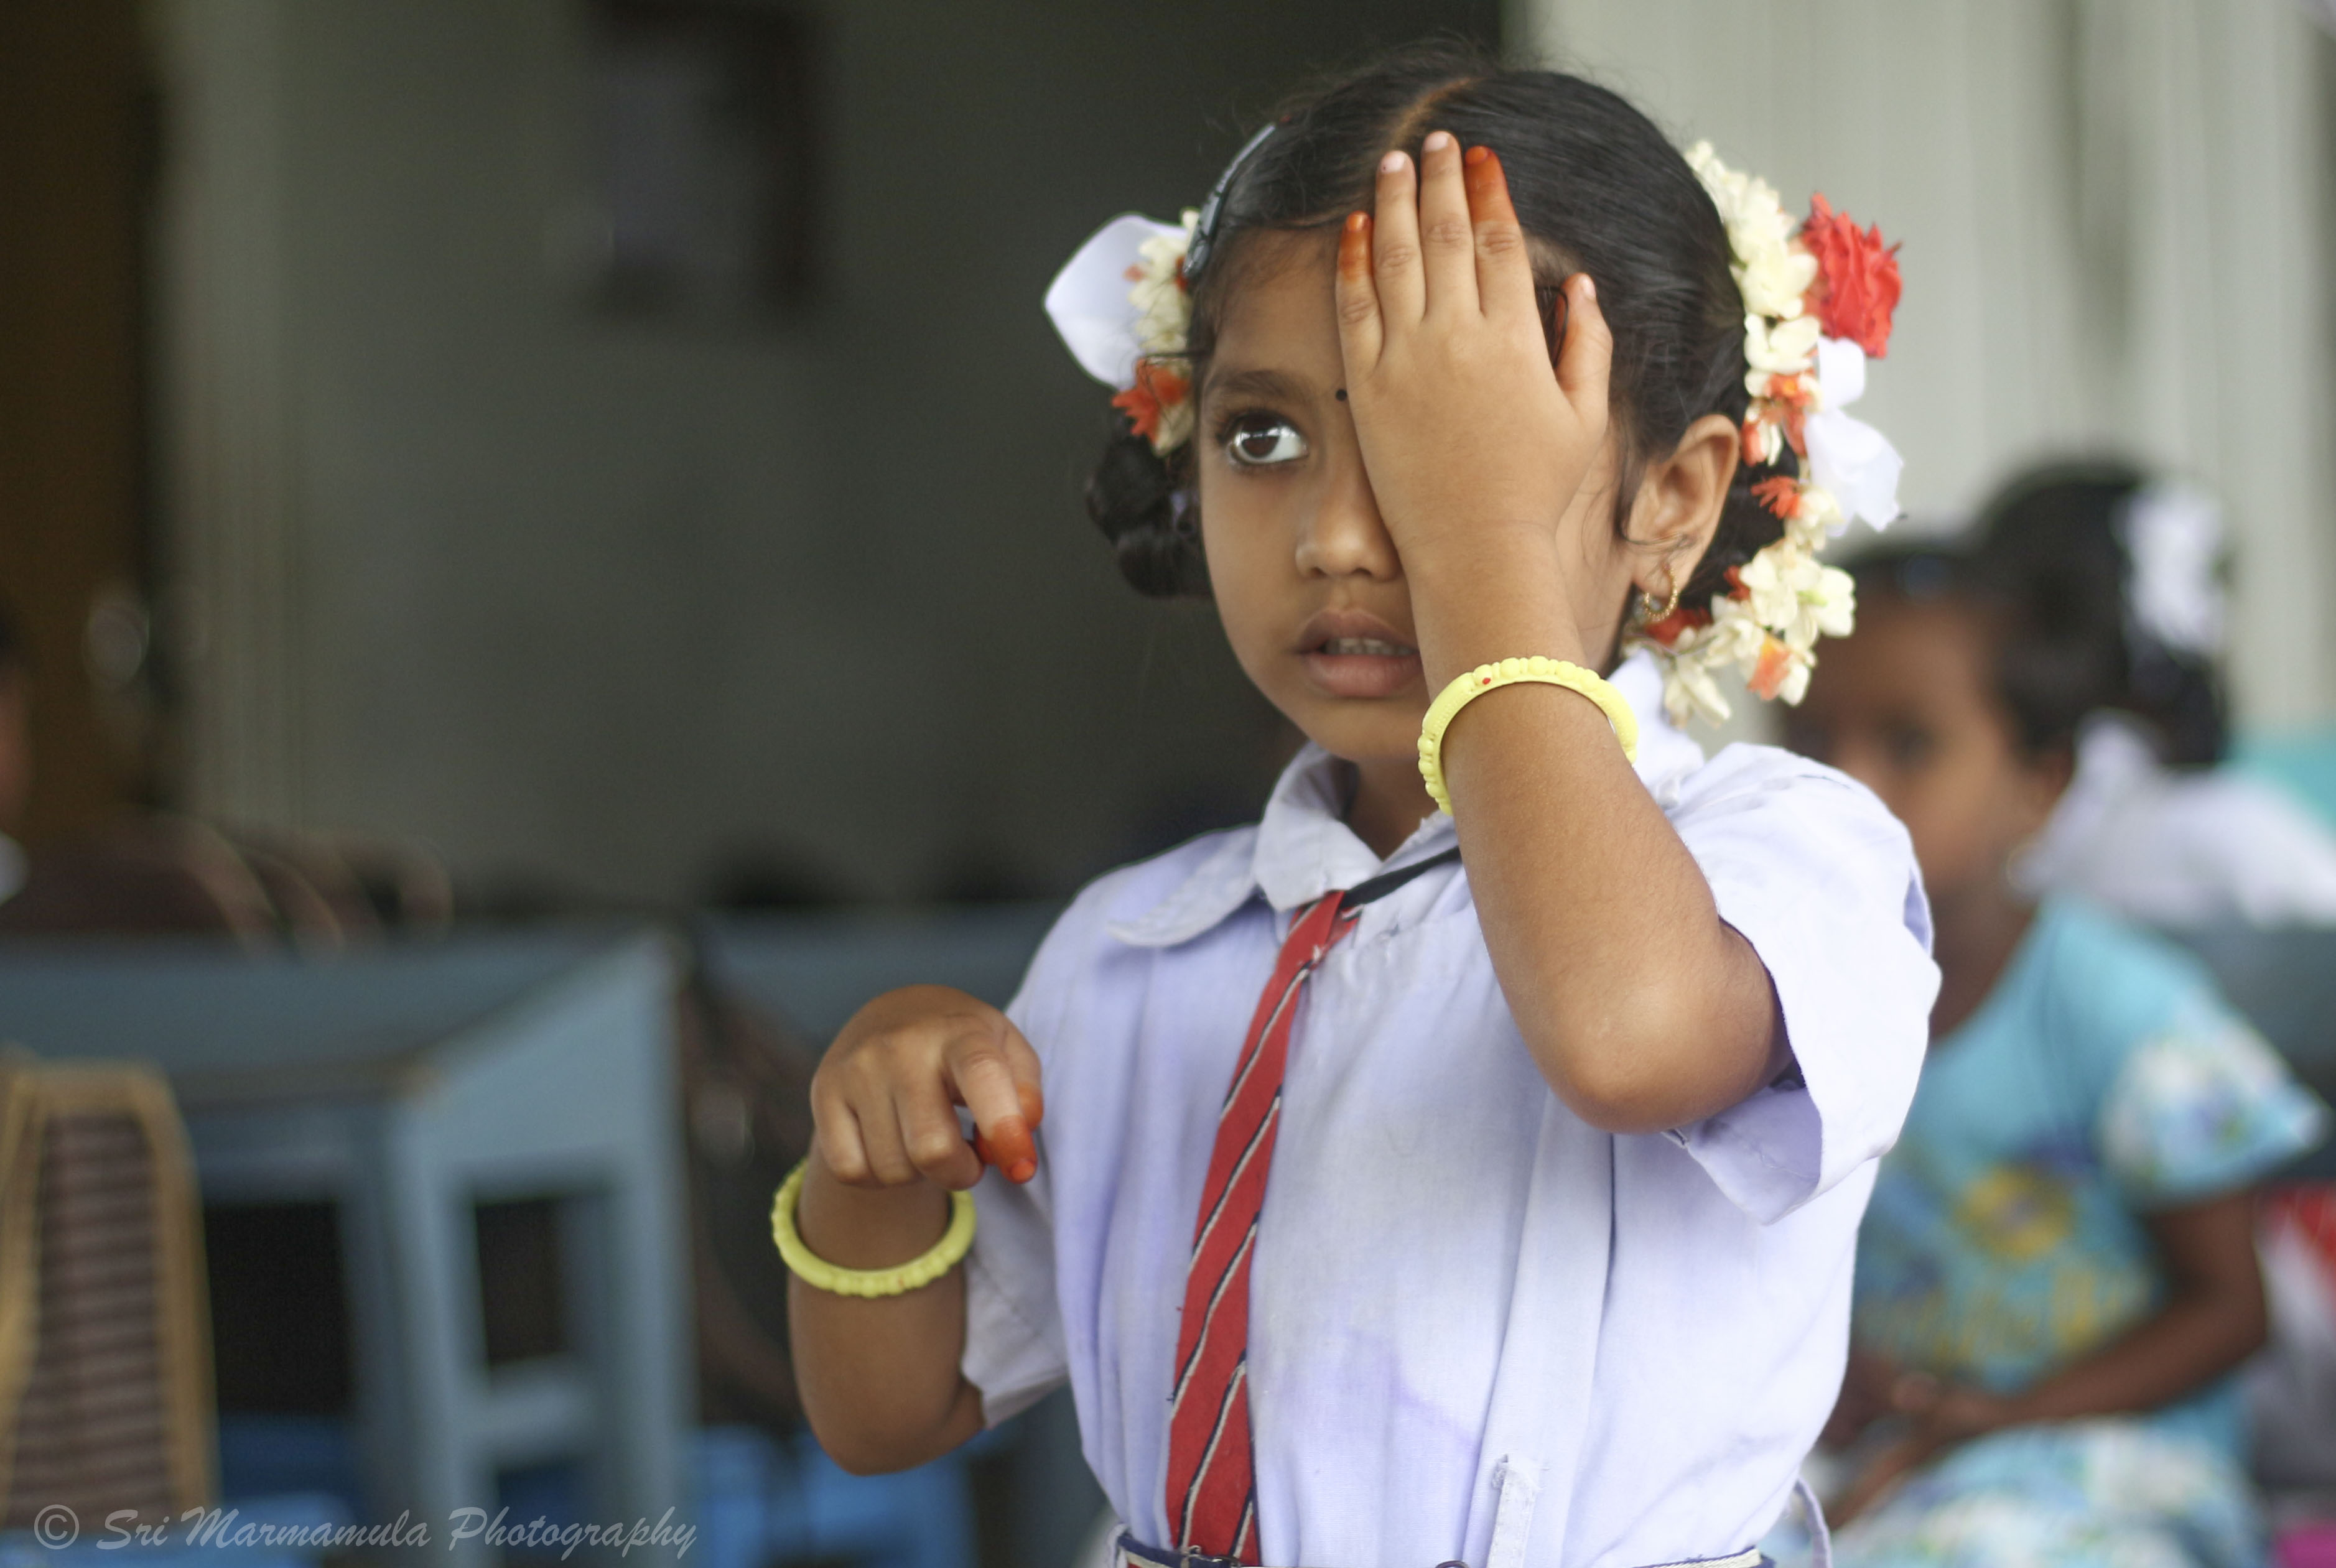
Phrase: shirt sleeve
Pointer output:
(1014, 1351)
(1013, 1334)
(1820, 879)
(2203, 1105)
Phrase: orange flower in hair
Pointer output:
(1158, 406)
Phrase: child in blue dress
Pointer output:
(2057, 1275)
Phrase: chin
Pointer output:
(1357, 732)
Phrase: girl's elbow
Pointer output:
(864, 1454)
(1613, 1087)
(1620, 1108)
(1621, 1069)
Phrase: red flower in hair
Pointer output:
(1674, 625)
(1857, 278)
(1157, 389)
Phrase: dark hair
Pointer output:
(1597, 188)
(2054, 536)
(2047, 674)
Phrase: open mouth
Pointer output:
(1366, 646)
(1349, 654)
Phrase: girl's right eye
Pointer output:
(1263, 440)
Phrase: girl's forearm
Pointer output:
(2189, 1344)
(1642, 1008)
(880, 1378)
(2213, 1319)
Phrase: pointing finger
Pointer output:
(986, 1083)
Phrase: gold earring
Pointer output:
(1648, 615)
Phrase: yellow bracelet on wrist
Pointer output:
(1484, 678)
(913, 1275)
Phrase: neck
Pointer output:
(1389, 803)
(1974, 933)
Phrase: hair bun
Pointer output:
(1141, 504)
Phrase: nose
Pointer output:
(1342, 535)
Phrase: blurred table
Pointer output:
(814, 969)
(409, 1085)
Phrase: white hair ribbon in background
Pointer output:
(1088, 300)
(2172, 538)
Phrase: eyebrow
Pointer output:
(1266, 386)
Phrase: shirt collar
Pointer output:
(1302, 848)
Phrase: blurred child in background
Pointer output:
(2057, 1276)
(2151, 826)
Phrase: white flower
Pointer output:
(1175, 425)
(1797, 598)
(1690, 692)
(1785, 348)
(1772, 272)
(1817, 519)
(1163, 310)
(1775, 281)
(1735, 632)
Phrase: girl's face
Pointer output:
(1907, 707)
(1305, 577)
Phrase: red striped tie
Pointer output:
(1211, 1489)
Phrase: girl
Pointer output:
(2151, 826)
(2057, 1272)
(1570, 1098)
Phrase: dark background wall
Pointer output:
(635, 608)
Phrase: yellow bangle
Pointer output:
(1467, 688)
(913, 1275)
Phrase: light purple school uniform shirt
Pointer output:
(1479, 1328)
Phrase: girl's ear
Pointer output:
(1678, 507)
(2043, 780)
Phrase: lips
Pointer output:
(1352, 653)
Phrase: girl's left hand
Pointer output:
(1471, 441)
(1945, 1416)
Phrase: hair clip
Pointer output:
(1204, 232)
